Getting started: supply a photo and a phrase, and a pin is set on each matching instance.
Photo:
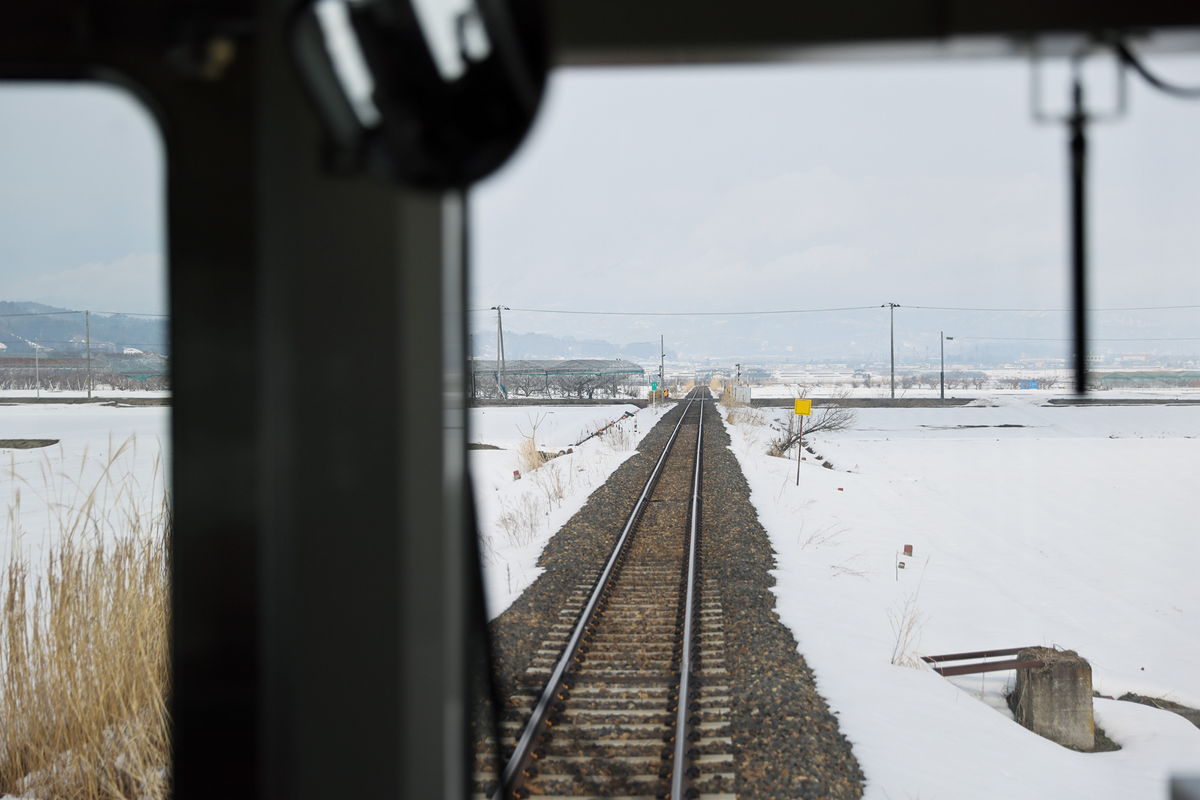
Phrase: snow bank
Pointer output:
(1076, 530)
(43, 485)
(518, 517)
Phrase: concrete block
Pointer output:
(1055, 700)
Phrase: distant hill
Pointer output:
(543, 346)
(62, 332)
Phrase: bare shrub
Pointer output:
(824, 419)
(84, 666)
(529, 457)
(554, 483)
(825, 535)
(619, 438)
(520, 520)
(744, 415)
(906, 622)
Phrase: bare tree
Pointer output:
(525, 383)
(577, 385)
(825, 418)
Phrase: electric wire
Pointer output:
(1092, 338)
(827, 310)
(692, 313)
(1052, 310)
(1126, 55)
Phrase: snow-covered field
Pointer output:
(518, 517)
(881, 388)
(1077, 529)
(47, 394)
(120, 453)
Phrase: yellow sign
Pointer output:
(804, 407)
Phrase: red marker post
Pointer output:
(802, 409)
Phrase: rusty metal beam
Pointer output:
(987, 666)
(1011, 651)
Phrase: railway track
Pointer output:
(628, 694)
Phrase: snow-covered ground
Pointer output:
(1077, 529)
(120, 453)
(881, 388)
(48, 394)
(518, 517)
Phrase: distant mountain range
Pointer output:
(862, 338)
(545, 346)
(53, 331)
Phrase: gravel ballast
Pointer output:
(787, 743)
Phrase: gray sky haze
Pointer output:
(827, 185)
(81, 199)
(748, 188)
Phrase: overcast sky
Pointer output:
(814, 185)
(697, 189)
(81, 199)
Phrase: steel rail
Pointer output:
(679, 776)
(523, 750)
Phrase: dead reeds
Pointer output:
(84, 665)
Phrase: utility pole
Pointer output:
(37, 371)
(500, 348)
(892, 337)
(662, 360)
(1077, 124)
(87, 325)
(942, 335)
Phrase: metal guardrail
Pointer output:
(981, 666)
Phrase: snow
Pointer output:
(880, 388)
(123, 452)
(1076, 530)
(104, 392)
(518, 517)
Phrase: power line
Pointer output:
(690, 313)
(1094, 339)
(1127, 55)
(1052, 310)
(63, 313)
(824, 310)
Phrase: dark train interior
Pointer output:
(282, 192)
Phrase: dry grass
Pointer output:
(529, 457)
(744, 415)
(619, 438)
(906, 622)
(521, 520)
(84, 664)
(555, 482)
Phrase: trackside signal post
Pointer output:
(802, 409)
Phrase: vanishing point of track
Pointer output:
(634, 701)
